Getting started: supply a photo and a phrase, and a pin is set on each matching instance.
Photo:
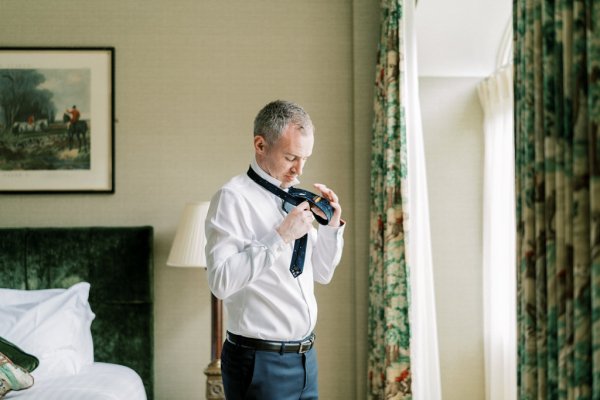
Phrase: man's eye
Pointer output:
(291, 159)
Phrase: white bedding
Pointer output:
(98, 381)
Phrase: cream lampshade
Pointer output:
(188, 246)
(188, 251)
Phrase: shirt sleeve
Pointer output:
(327, 252)
(235, 258)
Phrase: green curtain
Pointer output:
(388, 325)
(557, 126)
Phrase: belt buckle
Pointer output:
(306, 345)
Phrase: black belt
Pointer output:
(269, 345)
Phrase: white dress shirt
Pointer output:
(248, 262)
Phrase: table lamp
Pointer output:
(188, 251)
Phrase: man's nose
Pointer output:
(298, 167)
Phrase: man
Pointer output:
(74, 114)
(268, 353)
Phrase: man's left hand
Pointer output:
(333, 200)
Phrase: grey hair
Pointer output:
(272, 120)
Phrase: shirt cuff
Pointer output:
(333, 230)
(274, 243)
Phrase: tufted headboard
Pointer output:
(116, 261)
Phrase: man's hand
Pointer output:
(297, 223)
(333, 200)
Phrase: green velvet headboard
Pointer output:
(116, 261)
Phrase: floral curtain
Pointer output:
(557, 166)
(389, 330)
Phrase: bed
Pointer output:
(112, 268)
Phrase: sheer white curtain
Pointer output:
(499, 269)
(426, 384)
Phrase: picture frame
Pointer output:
(57, 120)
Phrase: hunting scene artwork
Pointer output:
(57, 119)
(45, 119)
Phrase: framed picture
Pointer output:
(57, 120)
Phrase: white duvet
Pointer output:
(54, 325)
(98, 381)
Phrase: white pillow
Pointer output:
(52, 324)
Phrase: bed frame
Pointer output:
(116, 261)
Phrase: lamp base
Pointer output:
(214, 383)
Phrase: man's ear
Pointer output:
(260, 144)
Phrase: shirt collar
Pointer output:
(268, 177)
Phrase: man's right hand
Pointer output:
(297, 223)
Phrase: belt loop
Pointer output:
(282, 349)
(233, 341)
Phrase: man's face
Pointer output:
(284, 160)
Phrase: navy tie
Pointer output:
(297, 265)
(291, 199)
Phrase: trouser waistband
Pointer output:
(272, 345)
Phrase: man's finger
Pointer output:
(303, 206)
(326, 192)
